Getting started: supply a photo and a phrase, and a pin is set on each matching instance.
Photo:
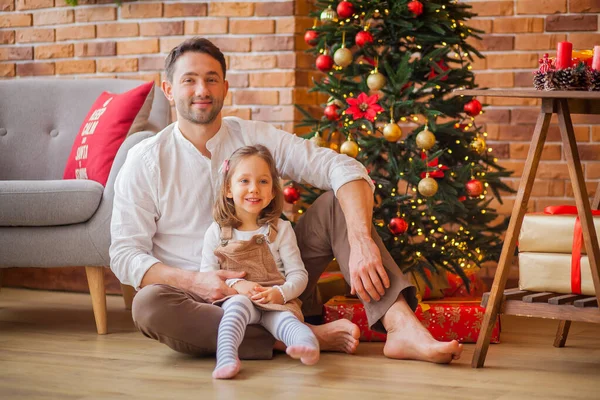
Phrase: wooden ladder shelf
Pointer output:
(565, 308)
(572, 307)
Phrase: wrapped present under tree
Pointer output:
(446, 320)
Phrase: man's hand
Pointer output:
(247, 288)
(211, 286)
(270, 295)
(367, 275)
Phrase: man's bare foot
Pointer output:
(341, 335)
(418, 346)
(408, 339)
(309, 355)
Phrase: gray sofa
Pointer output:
(46, 221)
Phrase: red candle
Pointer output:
(564, 52)
(596, 60)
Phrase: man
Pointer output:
(163, 199)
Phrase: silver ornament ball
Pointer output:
(329, 15)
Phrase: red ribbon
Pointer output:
(577, 242)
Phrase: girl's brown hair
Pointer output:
(224, 209)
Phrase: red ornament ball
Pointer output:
(331, 112)
(474, 187)
(398, 226)
(362, 38)
(415, 7)
(345, 9)
(473, 108)
(324, 62)
(310, 37)
(291, 194)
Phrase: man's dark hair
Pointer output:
(198, 45)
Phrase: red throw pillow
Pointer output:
(112, 117)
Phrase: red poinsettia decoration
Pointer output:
(437, 172)
(363, 106)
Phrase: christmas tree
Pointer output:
(390, 71)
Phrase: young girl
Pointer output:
(249, 236)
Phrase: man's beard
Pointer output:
(198, 116)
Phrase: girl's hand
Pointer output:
(247, 288)
(268, 296)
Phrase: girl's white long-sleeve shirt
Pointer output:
(284, 249)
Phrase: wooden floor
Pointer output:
(49, 350)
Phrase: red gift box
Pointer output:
(446, 319)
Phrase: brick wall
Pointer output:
(100, 39)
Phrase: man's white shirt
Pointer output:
(165, 191)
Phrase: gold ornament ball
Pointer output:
(318, 140)
(376, 81)
(425, 140)
(329, 15)
(349, 148)
(392, 132)
(478, 145)
(342, 57)
(428, 187)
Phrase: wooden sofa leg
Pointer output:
(95, 277)
(128, 293)
(1, 271)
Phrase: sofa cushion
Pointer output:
(48, 203)
(107, 124)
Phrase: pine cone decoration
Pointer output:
(539, 80)
(550, 81)
(571, 78)
(594, 80)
